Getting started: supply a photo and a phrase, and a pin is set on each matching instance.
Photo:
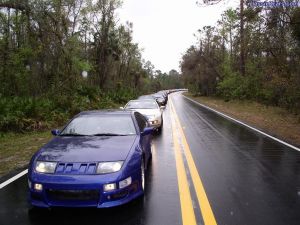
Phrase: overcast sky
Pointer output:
(165, 28)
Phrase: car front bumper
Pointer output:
(156, 123)
(81, 191)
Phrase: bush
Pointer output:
(235, 86)
(27, 113)
(230, 87)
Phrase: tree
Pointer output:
(242, 33)
(271, 57)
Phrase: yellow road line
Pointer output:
(207, 213)
(187, 210)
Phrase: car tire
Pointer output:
(159, 130)
(143, 175)
(151, 151)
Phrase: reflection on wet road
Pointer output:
(205, 170)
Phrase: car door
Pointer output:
(145, 140)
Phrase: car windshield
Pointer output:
(146, 97)
(141, 105)
(100, 125)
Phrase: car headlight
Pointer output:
(109, 187)
(154, 122)
(45, 167)
(109, 167)
(125, 183)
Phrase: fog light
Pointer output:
(38, 187)
(125, 183)
(109, 187)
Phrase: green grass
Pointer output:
(17, 149)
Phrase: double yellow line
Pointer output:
(187, 210)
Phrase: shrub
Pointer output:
(27, 113)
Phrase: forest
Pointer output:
(59, 57)
(252, 53)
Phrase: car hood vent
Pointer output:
(76, 168)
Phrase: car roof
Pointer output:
(143, 100)
(158, 94)
(145, 97)
(106, 112)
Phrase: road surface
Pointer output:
(205, 169)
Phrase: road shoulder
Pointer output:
(275, 121)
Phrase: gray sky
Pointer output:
(165, 28)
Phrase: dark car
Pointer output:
(98, 160)
(161, 101)
(163, 94)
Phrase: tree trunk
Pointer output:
(242, 44)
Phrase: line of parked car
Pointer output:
(151, 107)
(99, 158)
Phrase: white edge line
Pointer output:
(5, 183)
(244, 124)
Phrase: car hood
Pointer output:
(87, 149)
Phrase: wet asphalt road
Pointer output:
(247, 177)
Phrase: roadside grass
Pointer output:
(17, 149)
(275, 121)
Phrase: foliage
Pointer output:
(45, 46)
(271, 57)
(29, 113)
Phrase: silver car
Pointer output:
(150, 109)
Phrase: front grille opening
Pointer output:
(36, 196)
(119, 195)
(73, 195)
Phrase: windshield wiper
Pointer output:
(108, 134)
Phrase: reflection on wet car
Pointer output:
(98, 160)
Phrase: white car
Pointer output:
(150, 109)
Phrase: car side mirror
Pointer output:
(147, 131)
(55, 132)
(122, 108)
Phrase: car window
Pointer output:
(146, 97)
(100, 124)
(141, 105)
(142, 122)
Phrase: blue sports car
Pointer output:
(97, 160)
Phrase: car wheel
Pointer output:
(151, 151)
(159, 129)
(143, 174)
